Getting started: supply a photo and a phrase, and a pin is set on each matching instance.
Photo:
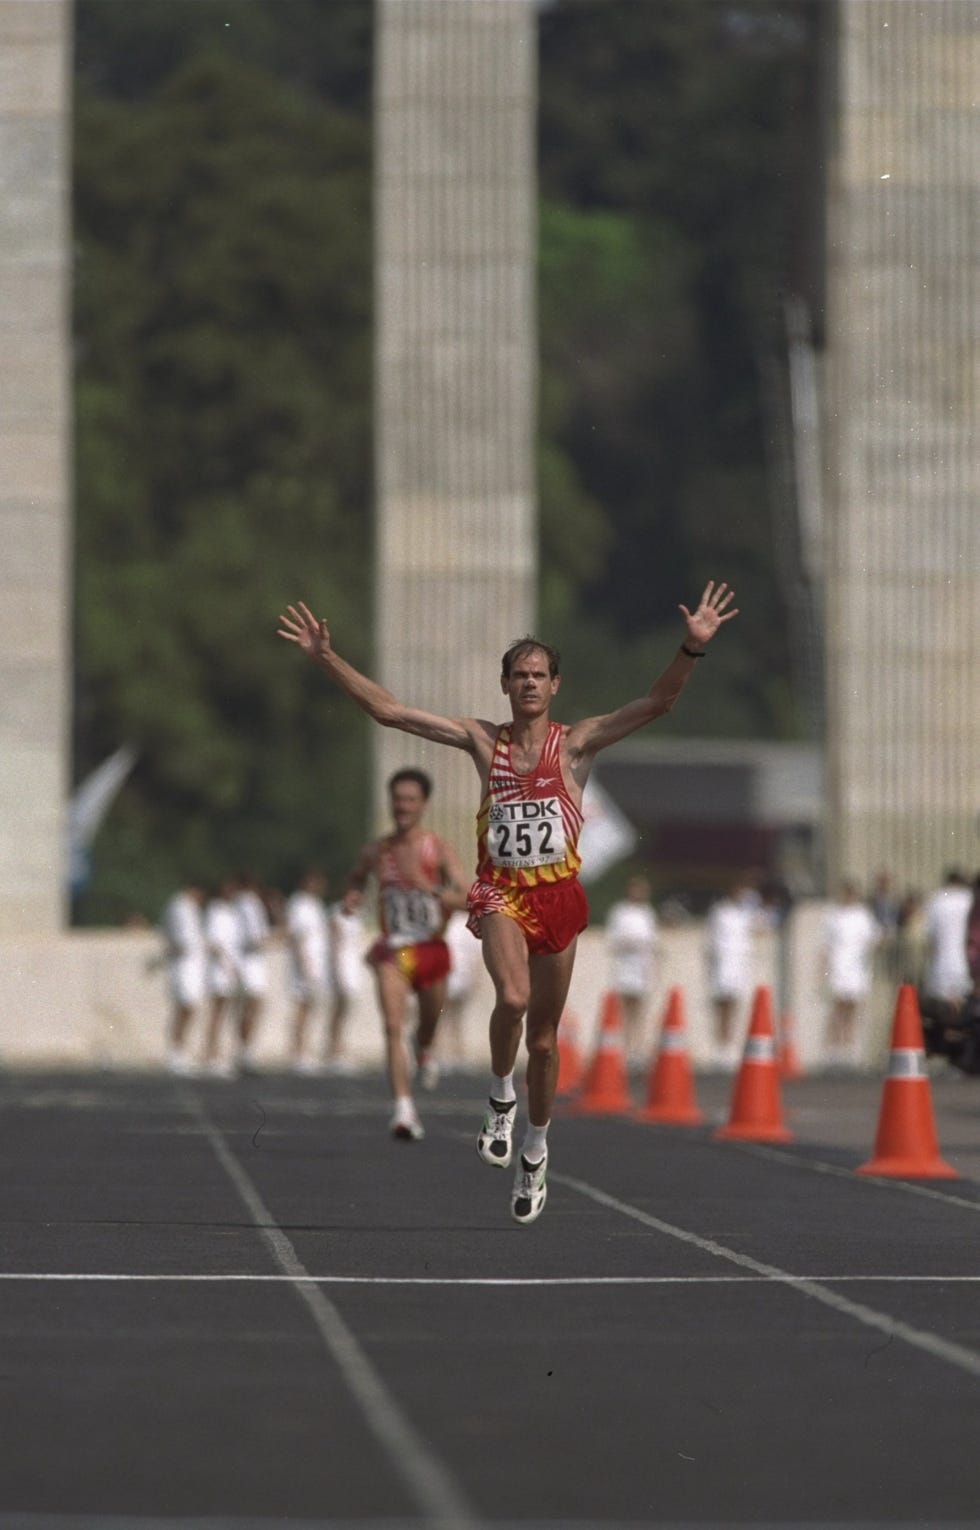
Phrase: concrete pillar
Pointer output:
(903, 448)
(455, 94)
(35, 590)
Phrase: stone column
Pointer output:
(455, 368)
(35, 412)
(903, 446)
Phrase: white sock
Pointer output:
(535, 1142)
(502, 1089)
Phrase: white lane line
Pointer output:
(878, 1181)
(431, 1485)
(941, 1349)
(234, 1278)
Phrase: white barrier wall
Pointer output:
(99, 999)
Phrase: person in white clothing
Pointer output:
(850, 935)
(223, 935)
(728, 948)
(182, 927)
(945, 917)
(253, 919)
(631, 941)
(308, 934)
(347, 974)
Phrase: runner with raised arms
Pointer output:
(527, 905)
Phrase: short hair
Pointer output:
(418, 777)
(528, 644)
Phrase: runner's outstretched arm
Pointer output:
(586, 738)
(298, 625)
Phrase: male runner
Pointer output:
(420, 883)
(527, 905)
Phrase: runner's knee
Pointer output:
(512, 997)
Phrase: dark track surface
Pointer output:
(243, 1305)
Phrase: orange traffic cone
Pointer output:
(755, 1114)
(670, 1087)
(788, 1059)
(570, 1068)
(605, 1091)
(905, 1144)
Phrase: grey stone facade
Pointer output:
(455, 94)
(902, 407)
(35, 435)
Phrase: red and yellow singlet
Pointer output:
(411, 916)
(528, 826)
(527, 848)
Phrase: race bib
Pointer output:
(411, 916)
(526, 834)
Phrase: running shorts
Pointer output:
(550, 915)
(421, 965)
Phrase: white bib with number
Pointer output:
(522, 835)
(411, 915)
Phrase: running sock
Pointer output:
(535, 1143)
(502, 1090)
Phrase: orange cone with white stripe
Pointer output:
(788, 1058)
(570, 1070)
(756, 1115)
(605, 1089)
(670, 1087)
(905, 1145)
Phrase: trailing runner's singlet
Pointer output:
(410, 909)
(528, 826)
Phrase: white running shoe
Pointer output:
(530, 1190)
(405, 1124)
(494, 1143)
(428, 1072)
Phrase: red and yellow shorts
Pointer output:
(550, 915)
(421, 965)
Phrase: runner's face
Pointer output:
(407, 804)
(529, 684)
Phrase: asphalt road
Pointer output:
(243, 1305)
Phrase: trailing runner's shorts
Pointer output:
(421, 965)
(550, 915)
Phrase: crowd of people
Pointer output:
(217, 944)
(931, 942)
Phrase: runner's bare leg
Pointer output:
(393, 1000)
(505, 958)
(551, 975)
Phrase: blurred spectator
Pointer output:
(884, 903)
(308, 935)
(850, 935)
(910, 940)
(945, 919)
(182, 928)
(223, 934)
(346, 980)
(973, 937)
(728, 948)
(631, 943)
(253, 918)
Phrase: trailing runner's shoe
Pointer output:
(494, 1143)
(405, 1124)
(530, 1190)
(427, 1069)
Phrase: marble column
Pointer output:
(35, 456)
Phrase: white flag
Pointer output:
(607, 834)
(90, 802)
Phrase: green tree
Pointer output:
(671, 145)
(222, 312)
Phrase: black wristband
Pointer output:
(693, 653)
